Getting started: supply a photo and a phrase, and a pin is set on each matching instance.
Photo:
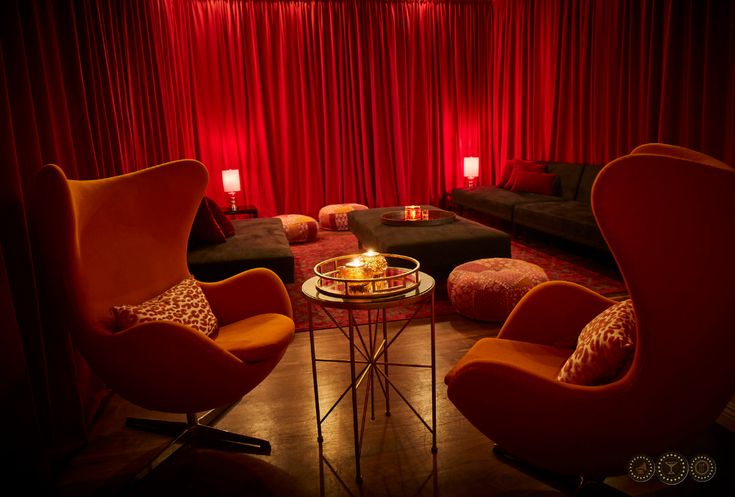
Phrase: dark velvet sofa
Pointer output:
(567, 214)
(256, 243)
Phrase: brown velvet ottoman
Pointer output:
(439, 249)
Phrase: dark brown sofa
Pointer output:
(567, 214)
(256, 243)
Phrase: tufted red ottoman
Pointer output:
(334, 216)
(488, 289)
(299, 228)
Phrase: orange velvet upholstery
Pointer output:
(667, 218)
(123, 240)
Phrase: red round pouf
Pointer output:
(488, 289)
(299, 228)
(334, 216)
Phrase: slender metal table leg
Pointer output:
(433, 377)
(371, 354)
(385, 362)
(350, 318)
(313, 373)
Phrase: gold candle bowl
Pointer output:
(356, 270)
(350, 276)
(377, 265)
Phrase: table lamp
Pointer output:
(231, 183)
(471, 171)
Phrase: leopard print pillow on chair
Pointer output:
(184, 303)
(604, 347)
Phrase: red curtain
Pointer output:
(318, 102)
(325, 102)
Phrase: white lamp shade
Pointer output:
(231, 180)
(471, 167)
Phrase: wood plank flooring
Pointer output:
(396, 461)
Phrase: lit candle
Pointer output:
(377, 265)
(375, 262)
(412, 212)
(356, 270)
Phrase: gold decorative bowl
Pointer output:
(339, 277)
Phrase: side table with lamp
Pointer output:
(231, 185)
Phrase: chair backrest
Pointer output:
(670, 224)
(118, 240)
(678, 151)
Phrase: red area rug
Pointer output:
(558, 265)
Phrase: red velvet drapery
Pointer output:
(318, 102)
(374, 102)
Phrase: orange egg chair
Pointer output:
(123, 241)
(668, 217)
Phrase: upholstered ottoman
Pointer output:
(299, 228)
(438, 248)
(334, 216)
(488, 289)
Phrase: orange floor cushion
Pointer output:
(334, 216)
(299, 228)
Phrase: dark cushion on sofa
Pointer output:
(205, 229)
(584, 192)
(569, 219)
(569, 176)
(256, 243)
(496, 201)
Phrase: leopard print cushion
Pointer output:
(604, 348)
(183, 303)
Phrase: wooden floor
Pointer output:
(397, 460)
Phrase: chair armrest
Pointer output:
(553, 313)
(252, 292)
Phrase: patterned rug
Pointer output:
(558, 264)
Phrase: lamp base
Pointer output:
(470, 182)
(232, 201)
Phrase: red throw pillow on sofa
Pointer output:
(523, 165)
(205, 230)
(531, 182)
(224, 223)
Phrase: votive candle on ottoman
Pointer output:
(412, 213)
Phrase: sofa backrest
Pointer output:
(589, 173)
(575, 180)
(569, 176)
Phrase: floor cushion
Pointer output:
(299, 228)
(334, 216)
(489, 289)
